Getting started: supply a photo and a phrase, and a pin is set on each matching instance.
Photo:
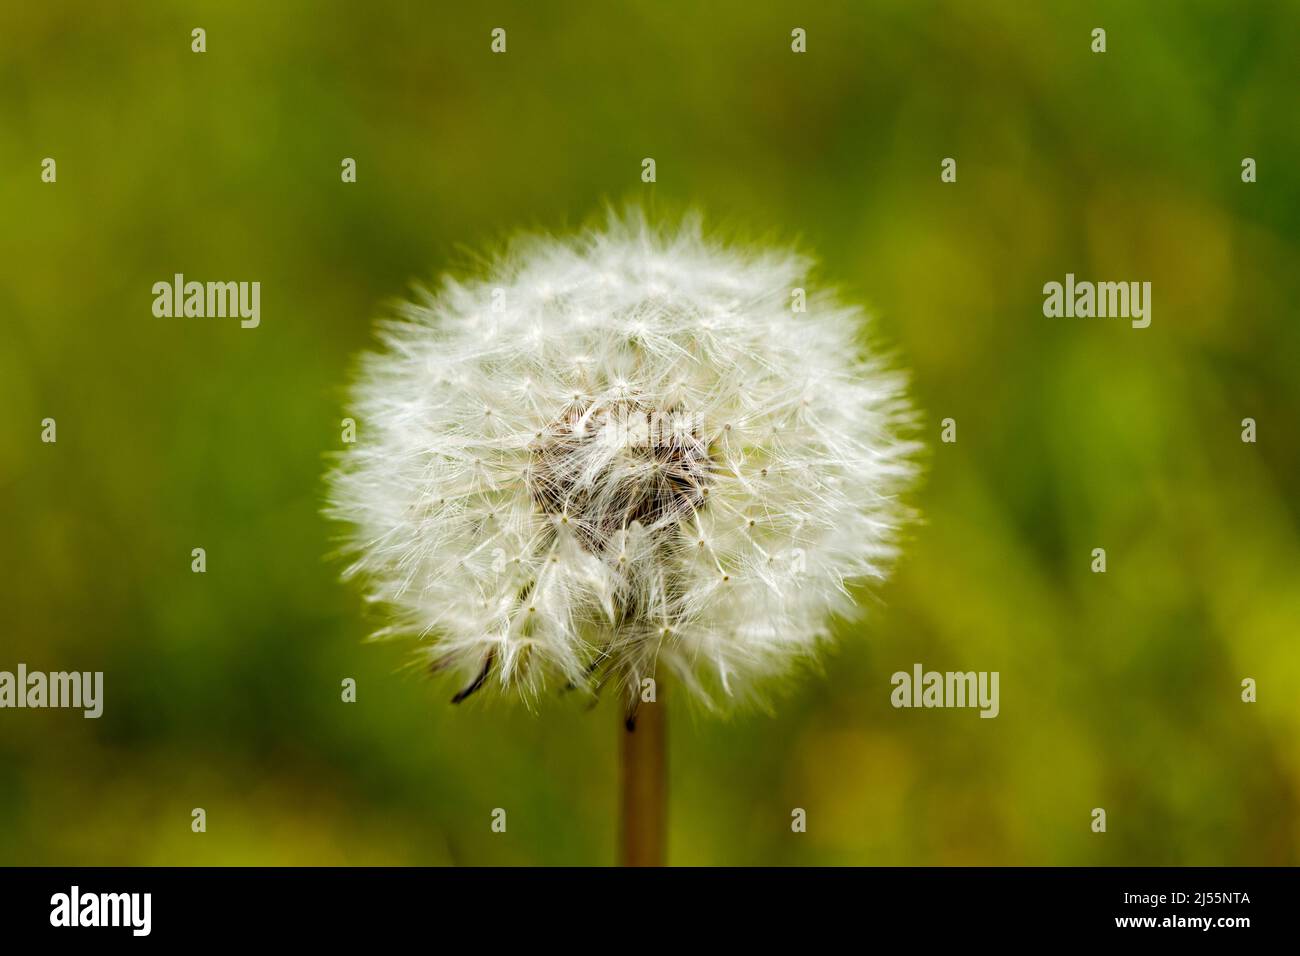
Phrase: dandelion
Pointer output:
(621, 456)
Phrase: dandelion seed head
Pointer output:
(624, 451)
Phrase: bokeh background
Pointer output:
(1119, 690)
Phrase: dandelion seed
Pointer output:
(621, 534)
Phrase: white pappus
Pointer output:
(621, 451)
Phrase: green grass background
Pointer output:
(1119, 691)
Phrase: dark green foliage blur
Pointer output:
(222, 691)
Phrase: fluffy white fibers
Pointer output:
(620, 451)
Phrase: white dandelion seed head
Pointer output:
(619, 452)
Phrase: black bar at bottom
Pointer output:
(330, 906)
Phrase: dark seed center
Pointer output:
(601, 469)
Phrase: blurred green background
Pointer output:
(1119, 690)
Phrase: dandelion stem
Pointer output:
(645, 784)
